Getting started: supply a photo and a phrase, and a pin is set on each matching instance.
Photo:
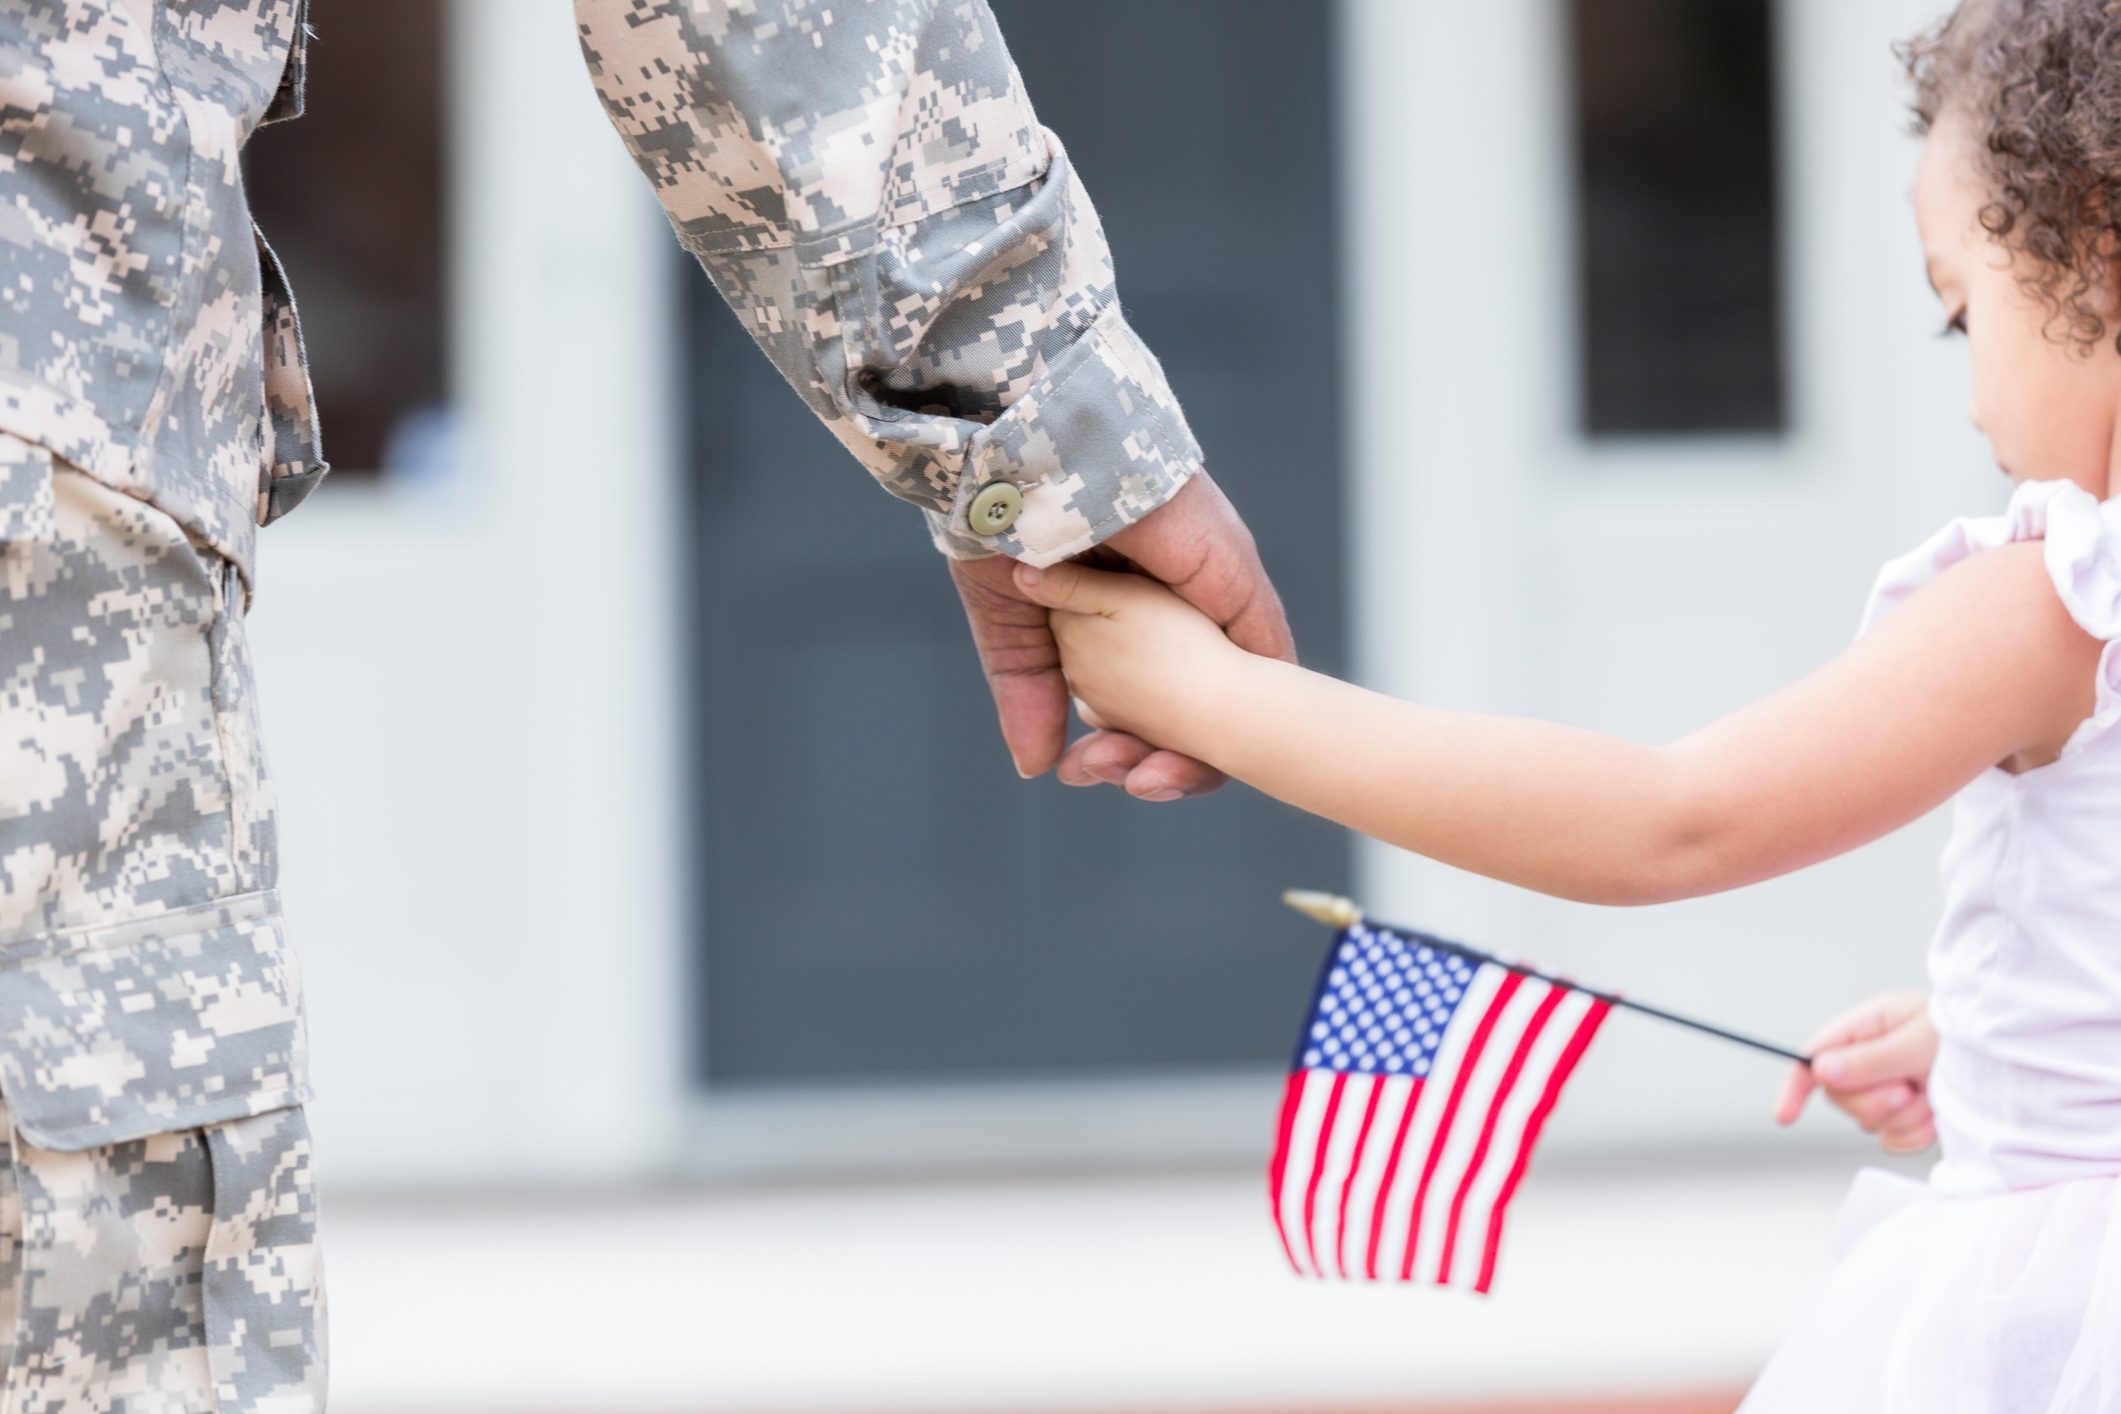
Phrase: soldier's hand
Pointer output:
(1873, 1062)
(1197, 544)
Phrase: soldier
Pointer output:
(866, 184)
(157, 1208)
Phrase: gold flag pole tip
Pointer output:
(1329, 909)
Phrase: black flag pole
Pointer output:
(1338, 912)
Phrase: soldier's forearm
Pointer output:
(873, 196)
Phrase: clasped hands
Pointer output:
(1200, 581)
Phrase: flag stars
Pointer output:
(1385, 1005)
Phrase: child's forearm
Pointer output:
(1983, 666)
(1554, 808)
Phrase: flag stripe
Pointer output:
(1428, 1133)
(1481, 1145)
(1510, 1135)
(1290, 1093)
(1503, 993)
(1455, 1147)
(1338, 1157)
(1362, 1139)
(1585, 1030)
(1318, 1169)
(1384, 1187)
(1303, 1154)
(1374, 1179)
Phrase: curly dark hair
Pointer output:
(2041, 82)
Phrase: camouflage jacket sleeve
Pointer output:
(867, 186)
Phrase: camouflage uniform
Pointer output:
(867, 186)
(157, 1205)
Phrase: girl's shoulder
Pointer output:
(2080, 538)
(2042, 607)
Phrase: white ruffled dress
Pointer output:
(1995, 1286)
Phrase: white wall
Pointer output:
(1501, 563)
(468, 691)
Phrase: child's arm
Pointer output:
(1978, 665)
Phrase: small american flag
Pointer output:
(1419, 1089)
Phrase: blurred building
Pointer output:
(645, 822)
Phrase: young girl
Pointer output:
(1983, 673)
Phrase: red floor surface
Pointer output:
(1693, 1404)
(1687, 1404)
(1666, 1404)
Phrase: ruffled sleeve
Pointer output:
(2081, 538)
(2084, 558)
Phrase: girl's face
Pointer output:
(2050, 409)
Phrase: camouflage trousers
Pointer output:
(158, 1215)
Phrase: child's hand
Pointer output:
(1137, 657)
(1873, 1062)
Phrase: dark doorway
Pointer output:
(878, 896)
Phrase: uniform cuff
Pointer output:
(1093, 446)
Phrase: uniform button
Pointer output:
(994, 508)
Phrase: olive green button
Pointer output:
(994, 508)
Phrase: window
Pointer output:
(1680, 289)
